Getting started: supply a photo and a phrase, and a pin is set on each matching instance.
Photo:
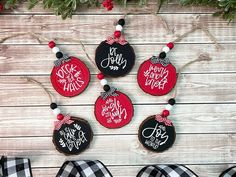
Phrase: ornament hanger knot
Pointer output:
(111, 40)
(65, 120)
(164, 120)
(62, 60)
(163, 61)
(108, 93)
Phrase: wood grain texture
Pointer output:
(91, 29)
(196, 118)
(40, 59)
(193, 88)
(204, 115)
(126, 150)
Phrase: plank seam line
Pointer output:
(98, 135)
(140, 165)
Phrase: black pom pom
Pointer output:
(121, 22)
(59, 55)
(162, 55)
(171, 101)
(106, 88)
(53, 105)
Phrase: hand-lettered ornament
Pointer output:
(69, 76)
(157, 76)
(157, 133)
(113, 109)
(115, 57)
(72, 135)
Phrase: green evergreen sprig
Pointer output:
(65, 8)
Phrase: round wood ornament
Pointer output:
(157, 76)
(113, 110)
(72, 135)
(114, 58)
(70, 76)
(157, 133)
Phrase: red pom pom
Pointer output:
(165, 113)
(100, 76)
(51, 44)
(117, 34)
(170, 45)
(60, 116)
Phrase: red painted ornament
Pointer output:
(114, 111)
(70, 78)
(155, 78)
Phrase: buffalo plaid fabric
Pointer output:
(231, 172)
(166, 171)
(15, 167)
(83, 168)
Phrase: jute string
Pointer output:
(47, 92)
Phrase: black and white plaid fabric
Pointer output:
(166, 171)
(15, 167)
(231, 172)
(83, 168)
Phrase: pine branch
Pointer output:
(66, 8)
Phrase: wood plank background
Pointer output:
(204, 116)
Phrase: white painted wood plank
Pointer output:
(139, 29)
(38, 59)
(38, 121)
(126, 150)
(193, 88)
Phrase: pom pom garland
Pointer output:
(103, 82)
(166, 49)
(55, 50)
(168, 107)
(56, 111)
(119, 28)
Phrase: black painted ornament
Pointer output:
(72, 135)
(115, 57)
(157, 133)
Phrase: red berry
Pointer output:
(165, 113)
(51, 44)
(170, 45)
(100, 76)
(1, 7)
(105, 4)
(110, 7)
(117, 34)
(60, 116)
